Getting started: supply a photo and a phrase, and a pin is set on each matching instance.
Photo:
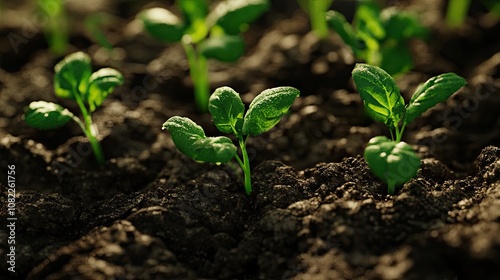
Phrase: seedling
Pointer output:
(204, 34)
(316, 10)
(228, 114)
(56, 25)
(379, 37)
(74, 80)
(456, 12)
(392, 160)
(95, 25)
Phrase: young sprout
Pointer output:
(74, 80)
(379, 37)
(56, 26)
(456, 12)
(204, 34)
(392, 160)
(95, 25)
(228, 114)
(316, 10)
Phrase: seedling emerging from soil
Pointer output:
(205, 34)
(391, 160)
(316, 10)
(228, 113)
(56, 25)
(74, 80)
(456, 12)
(379, 37)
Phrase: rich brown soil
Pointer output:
(316, 211)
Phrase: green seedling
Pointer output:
(74, 80)
(379, 37)
(56, 25)
(316, 10)
(204, 34)
(392, 160)
(95, 24)
(456, 12)
(228, 114)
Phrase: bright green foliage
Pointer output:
(379, 37)
(204, 34)
(392, 160)
(190, 139)
(228, 114)
(74, 80)
(267, 108)
(436, 89)
(316, 10)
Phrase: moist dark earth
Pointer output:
(316, 211)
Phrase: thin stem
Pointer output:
(391, 187)
(245, 165)
(89, 131)
(317, 10)
(399, 133)
(456, 12)
(198, 69)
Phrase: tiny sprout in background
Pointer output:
(379, 37)
(204, 34)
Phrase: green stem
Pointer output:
(317, 11)
(399, 133)
(198, 68)
(89, 131)
(245, 165)
(391, 187)
(456, 12)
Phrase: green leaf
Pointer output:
(367, 20)
(267, 108)
(46, 115)
(102, 83)
(396, 58)
(214, 149)
(379, 93)
(394, 163)
(338, 22)
(194, 9)
(162, 25)
(71, 75)
(227, 110)
(400, 25)
(226, 48)
(433, 91)
(232, 15)
(190, 139)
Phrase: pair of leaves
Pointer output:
(74, 77)
(230, 16)
(264, 112)
(384, 103)
(74, 80)
(228, 113)
(395, 163)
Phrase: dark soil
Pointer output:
(316, 211)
